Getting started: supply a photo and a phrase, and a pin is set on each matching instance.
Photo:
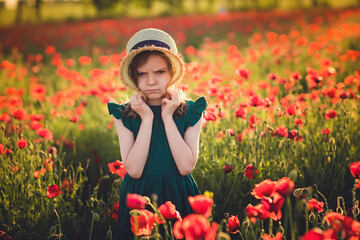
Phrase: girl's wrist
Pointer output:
(167, 118)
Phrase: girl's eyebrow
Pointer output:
(160, 69)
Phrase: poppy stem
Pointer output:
(57, 215)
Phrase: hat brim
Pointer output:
(177, 64)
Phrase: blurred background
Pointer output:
(35, 11)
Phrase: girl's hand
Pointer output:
(140, 107)
(168, 106)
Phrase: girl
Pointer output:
(158, 130)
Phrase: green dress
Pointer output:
(160, 175)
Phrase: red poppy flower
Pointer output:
(239, 137)
(143, 224)
(115, 214)
(192, 227)
(278, 236)
(314, 234)
(314, 205)
(36, 117)
(50, 50)
(209, 116)
(19, 113)
(38, 91)
(168, 211)
(233, 224)
(332, 217)
(292, 109)
(8, 151)
(49, 163)
(273, 205)
(85, 60)
(250, 171)
(241, 112)
(201, 204)
(325, 131)
(227, 168)
(22, 143)
(35, 125)
(257, 211)
(255, 101)
(330, 114)
(355, 169)
(263, 189)
(45, 133)
(53, 191)
(284, 186)
(118, 168)
(68, 186)
(244, 73)
(5, 117)
(298, 122)
(230, 131)
(135, 201)
(2, 149)
(41, 172)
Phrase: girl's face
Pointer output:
(153, 78)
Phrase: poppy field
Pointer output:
(279, 149)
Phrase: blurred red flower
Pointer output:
(313, 234)
(194, 227)
(118, 168)
(355, 169)
(227, 168)
(85, 60)
(68, 186)
(53, 191)
(263, 189)
(50, 50)
(22, 143)
(168, 211)
(233, 224)
(273, 205)
(230, 132)
(35, 125)
(115, 214)
(201, 204)
(314, 205)
(258, 211)
(330, 114)
(37, 173)
(284, 186)
(38, 91)
(49, 163)
(19, 113)
(135, 201)
(2, 149)
(278, 236)
(143, 224)
(241, 112)
(45, 133)
(250, 171)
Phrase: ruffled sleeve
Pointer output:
(117, 111)
(195, 111)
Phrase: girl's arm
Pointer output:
(184, 150)
(133, 152)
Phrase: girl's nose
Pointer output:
(151, 79)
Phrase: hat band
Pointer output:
(155, 43)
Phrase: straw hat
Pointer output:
(151, 39)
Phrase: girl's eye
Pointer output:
(140, 74)
(160, 71)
